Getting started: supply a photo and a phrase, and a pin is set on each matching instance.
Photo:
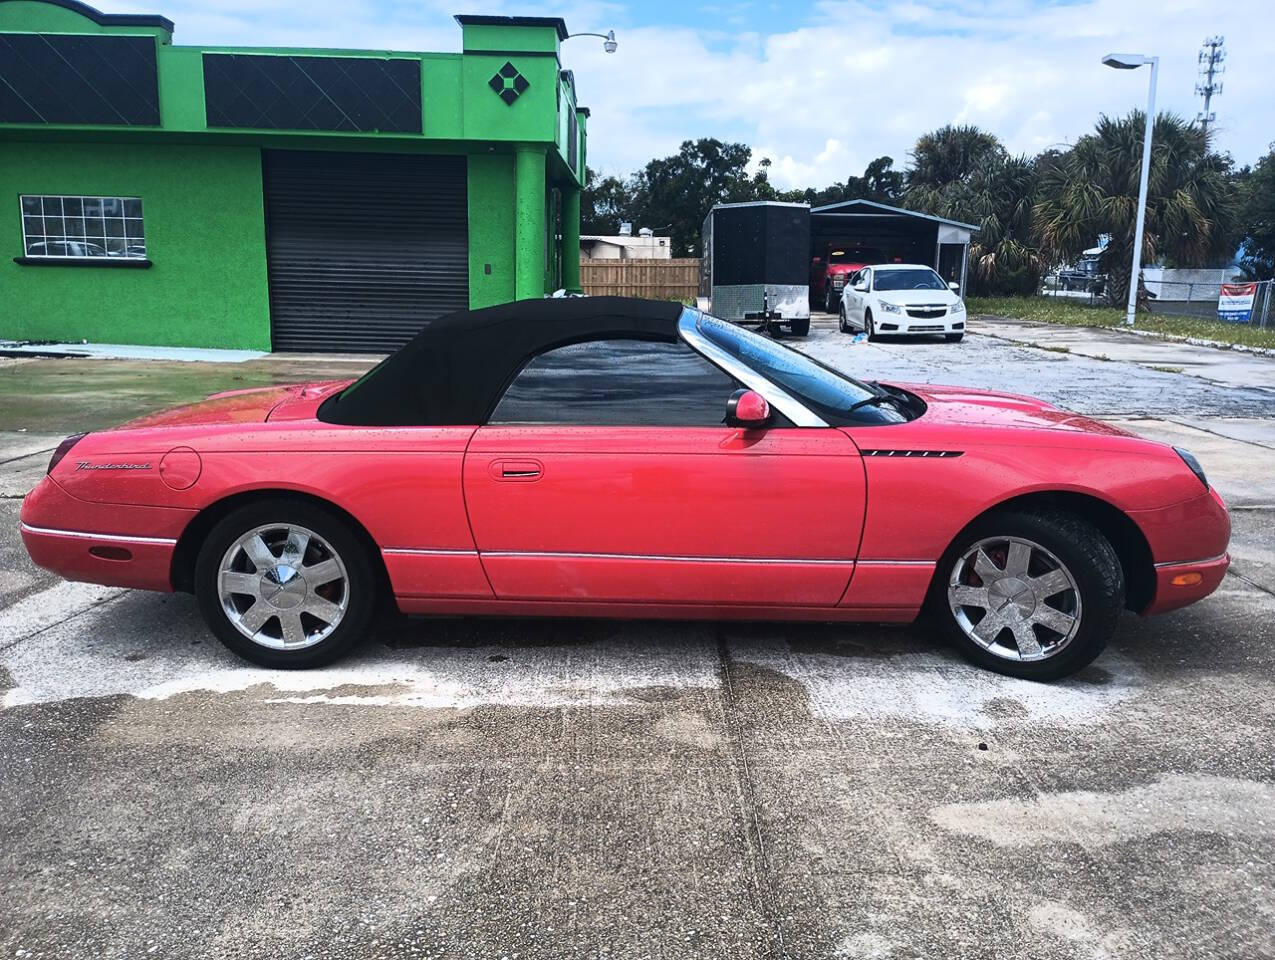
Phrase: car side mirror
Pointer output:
(954, 287)
(860, 286)
(748, 409)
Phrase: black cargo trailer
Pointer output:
(756, 264)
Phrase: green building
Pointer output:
(285, 199)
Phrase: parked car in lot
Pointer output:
(830, 272)
(605, 457)
(902, 299)
(1083, 275)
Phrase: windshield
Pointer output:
(825, 391)
(908, 280)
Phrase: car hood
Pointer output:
(908, 297)
(969, 407)
(253, 405)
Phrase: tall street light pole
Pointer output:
(1131, 61)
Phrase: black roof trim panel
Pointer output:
(480, 20)
(111, 19)
(457, 367)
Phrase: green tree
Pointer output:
(963, 173)
(880, 183)
(948, 157)
(679, 190)
(605, 203)
(1257, 220)
(1092, 190)
(1004, 257)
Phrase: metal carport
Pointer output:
(902, 236)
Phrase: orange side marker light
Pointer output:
(1187, 579)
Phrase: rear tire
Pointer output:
(953, 337)
(285, 583)
(1034, 594)
(800, 327)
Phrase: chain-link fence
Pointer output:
(1249, 302)
(1238, 302)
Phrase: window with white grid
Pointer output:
(80, 228)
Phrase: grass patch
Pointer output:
(1167, 369)
(47, 395)
(1053, 348)
(1071, 314)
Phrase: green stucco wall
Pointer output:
(205, 233)
(529, 223)
(491, 229)
(201, 187)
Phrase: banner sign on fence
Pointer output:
(1235, 303)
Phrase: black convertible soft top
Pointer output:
(455, 370)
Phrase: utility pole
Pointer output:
(1212, 53)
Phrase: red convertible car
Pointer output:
(608, 457)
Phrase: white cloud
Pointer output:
(871, 77)
(867, 76)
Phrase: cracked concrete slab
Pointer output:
(572, 789)
(20, 474)
(1177, 802)
(1232, 368)
(1112, 387)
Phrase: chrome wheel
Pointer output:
(283, 586)
(1014, 598)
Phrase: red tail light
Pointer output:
(64, 448)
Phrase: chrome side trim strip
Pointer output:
(412, 552)
(897, 563)
(1189, 563)
(775, 395)
(83, 535)
(661, 557)
(576, 555)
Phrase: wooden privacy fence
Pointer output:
(653, 279)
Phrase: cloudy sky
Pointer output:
(821, 88)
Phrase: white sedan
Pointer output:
(902, 299)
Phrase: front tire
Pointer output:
(1032, 594)
(870, 325)
(285, 583)
(953, 337)
(841, 319)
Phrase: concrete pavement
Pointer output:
(1233, 368)
(554, 789)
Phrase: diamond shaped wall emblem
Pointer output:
(508, 83)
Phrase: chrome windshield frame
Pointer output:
(776, 396)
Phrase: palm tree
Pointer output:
(949, 155)
(963, 173)
(1092, 190)
(1003, 254)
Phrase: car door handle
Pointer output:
(523, 470)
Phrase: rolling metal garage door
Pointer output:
(363, 250)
